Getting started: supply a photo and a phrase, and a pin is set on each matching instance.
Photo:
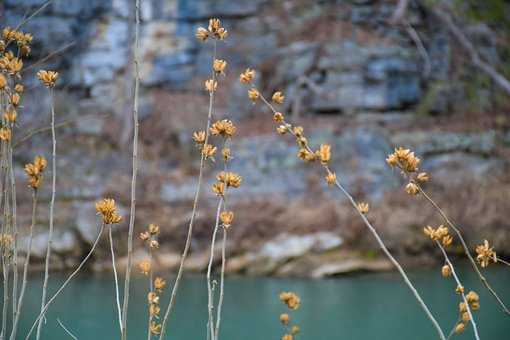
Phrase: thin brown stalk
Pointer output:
(465, 247)
(151, 289)
(52, 209)
(499, 259)
(459, 284)
(66, 282)
(379, 241)
(210, 302)
(115, 276)
(136, 47)
(193, 215)
(5, 230)
(12, 182)
(25, 269)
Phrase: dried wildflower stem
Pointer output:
(452, 332)
(52, 208)
(465, 246)
(222, 282)
(15, 231)
(136, 46)
(193, 213)
(67, 330)
(66, 282)
(210, 302)
(378, 239)
(459, 284)
(151, 289)
(5, 263)
(25, 269)
(499, 259)
(115, 276)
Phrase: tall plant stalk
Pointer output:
(115, 276)
(222, 283)
(25, 269)
(127, 281)
(373, 232)
(52, 208)
(187, 244)
(210, 302)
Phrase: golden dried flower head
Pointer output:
(412, 189)
(462, 307)
(224, 128)
(460, 328)
(48, 78)
(34, 171)
(154, 244)
(282, 129)
(152, 297)
(330, 178)
(475, 306)
(472, 297)
(284, 318)
(8, 34)
(219, 66)
(202, 34)
(459, 289)
(295, 329)
(145, 267)
(154, 310)
(278, 97)
(437, 233)
(231, 179)
(159, 283)
(106, 207)
(5, 134)
(465, 317)
(216, 29)
(253, 94)
(422, 177)
(278, 117)
(3, 82)
(446, 271)
(155, 327)
(15, 65)
(153, 229)
(325, 153)
(6, 240)
(287, 337)
(10, 114)
(144, 236)
(208, 151)
(290, 299)
(14, 99)
(211, 85)
(306, 155)
(226, 218)
(226, 153)
(199, 137)
(19, 88)
(303, 142)
(485, 254)
(363, 207)
(447, 240)
(219, 188)
(404, 159)
(298, 131)
(247, 76)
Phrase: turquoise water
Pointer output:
(364, 306)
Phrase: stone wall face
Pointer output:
(352, 80)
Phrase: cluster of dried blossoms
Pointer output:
(213, 31)
(292, 301)
(34, 171)
(108, 211)
(485, 254)
(440, 233)
(473, 301)
(408, 163)
(156, 286)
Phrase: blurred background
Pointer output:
(363, 75)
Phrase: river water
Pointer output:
(355, 307)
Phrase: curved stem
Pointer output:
(472, 320)
(127, 281)
(378, 239)
(52, 207)
(115, 276)
(66, 282)
(465, 246)
(25, 269)
(187, 245)
(15, 232)
(67, 330)
(222, 283)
